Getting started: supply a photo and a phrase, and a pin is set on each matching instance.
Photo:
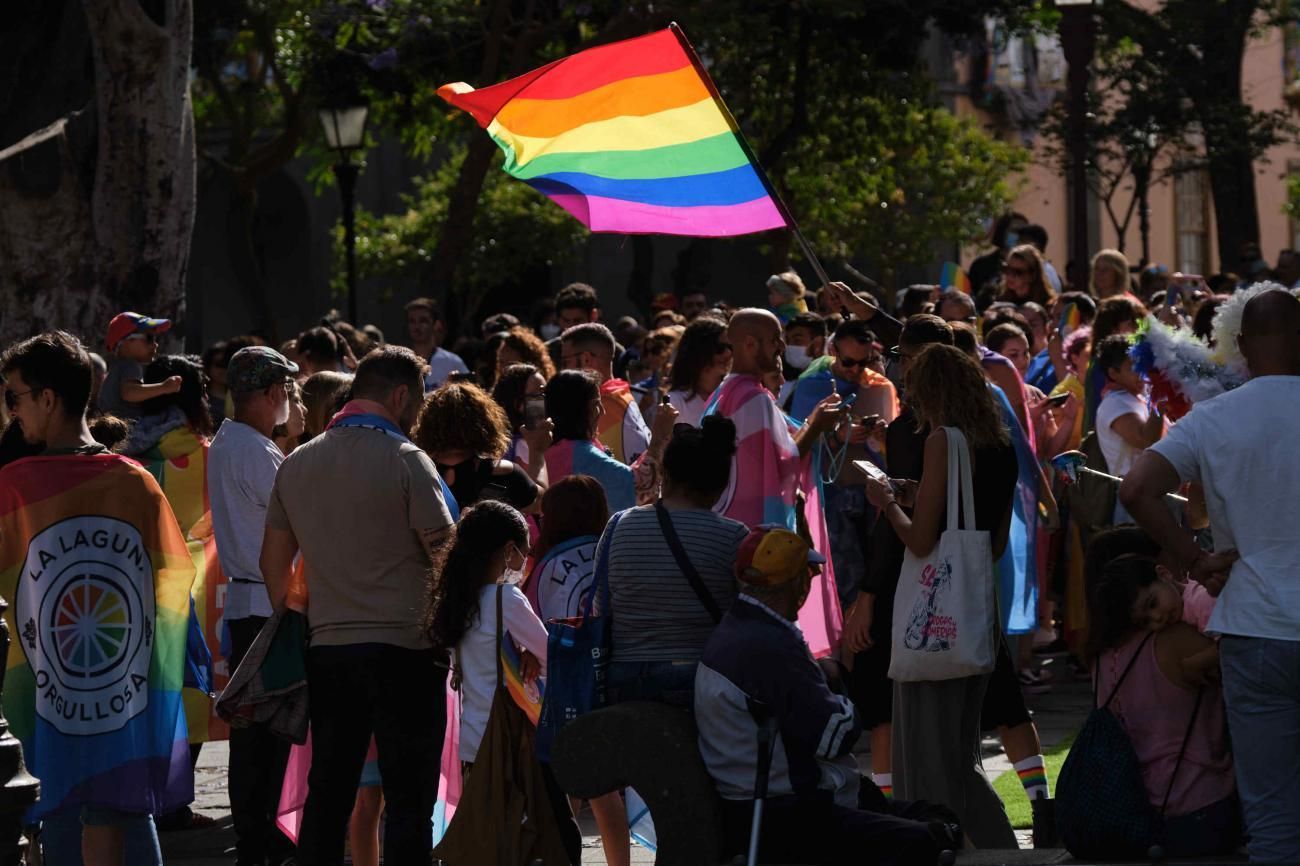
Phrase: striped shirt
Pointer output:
(657, 616)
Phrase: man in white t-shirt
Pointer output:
(1240, 447)
(1125, 423)
(426, 329)
(242, 464)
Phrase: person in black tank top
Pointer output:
(936, 730)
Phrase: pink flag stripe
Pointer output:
(630, 218)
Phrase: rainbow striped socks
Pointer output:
(1033, 775)
(885, 782)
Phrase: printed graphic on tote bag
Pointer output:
(927, 629)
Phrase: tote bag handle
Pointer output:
(961, 489)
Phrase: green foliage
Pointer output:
(515, 229)
(1292, 206)
(895, 176)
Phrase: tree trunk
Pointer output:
(1236, 213)
(96, 210)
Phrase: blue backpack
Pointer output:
(1102, 808)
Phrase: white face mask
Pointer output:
(797, 357)
(550, 331)
(513, 576)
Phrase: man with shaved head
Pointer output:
(1241, 447)
(765, 473)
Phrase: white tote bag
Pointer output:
(945, 611)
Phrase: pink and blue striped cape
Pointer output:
(766, 474)
(578, 457)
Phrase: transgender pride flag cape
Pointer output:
(575, 457)
(766, 474)
(100, 577)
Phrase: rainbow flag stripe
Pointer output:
(630, 137)
(527, 696)
(954, 278)
(99, 575)
(178, 462)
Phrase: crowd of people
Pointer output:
(744, 494)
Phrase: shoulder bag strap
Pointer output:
(1200, 693)
(684, 562)
(1119, 682)
(961, 487)
(497, 648)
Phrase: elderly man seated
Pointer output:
(818, 808)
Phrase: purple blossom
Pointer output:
(385, 59)
(379, 5)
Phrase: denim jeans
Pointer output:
(1261, 687)
(399, 696)
(61, 837)
(669, 682)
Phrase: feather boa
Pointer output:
(1181, 368)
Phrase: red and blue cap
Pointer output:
(124, 325)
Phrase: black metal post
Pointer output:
(347, 172)
(1079, 41)
(18, 788)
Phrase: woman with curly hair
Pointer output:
(936, 728)
(521, 346)
(517, 387)
(465, 433)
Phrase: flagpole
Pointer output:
(760, 171)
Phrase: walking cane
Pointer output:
(766, 743)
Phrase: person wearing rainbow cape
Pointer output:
(771, 468)
(100, 578)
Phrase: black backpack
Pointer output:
(1102, 808)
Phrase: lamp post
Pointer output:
(345, 132)
(1079, 41)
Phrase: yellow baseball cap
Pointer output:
(771, 556)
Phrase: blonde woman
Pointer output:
(1109, 275)
(936, 730)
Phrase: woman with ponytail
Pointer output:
(486, 552)
(661, 617)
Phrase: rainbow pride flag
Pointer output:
(630, 137)
(179, 463)
(527, 696)
(953, 278)
(100, 576)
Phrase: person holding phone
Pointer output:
(872, 403)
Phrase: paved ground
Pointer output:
(1058, 714)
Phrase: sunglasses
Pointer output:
(852, 363)
(11, 397)
(152, 338)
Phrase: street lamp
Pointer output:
(345, 131)
(1079, 42)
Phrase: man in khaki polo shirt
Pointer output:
(365, 507)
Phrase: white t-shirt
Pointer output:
(476, 657)
(441, 365)
(689, 406)
(1240, 446)
(1119, 454)
(242, 464)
